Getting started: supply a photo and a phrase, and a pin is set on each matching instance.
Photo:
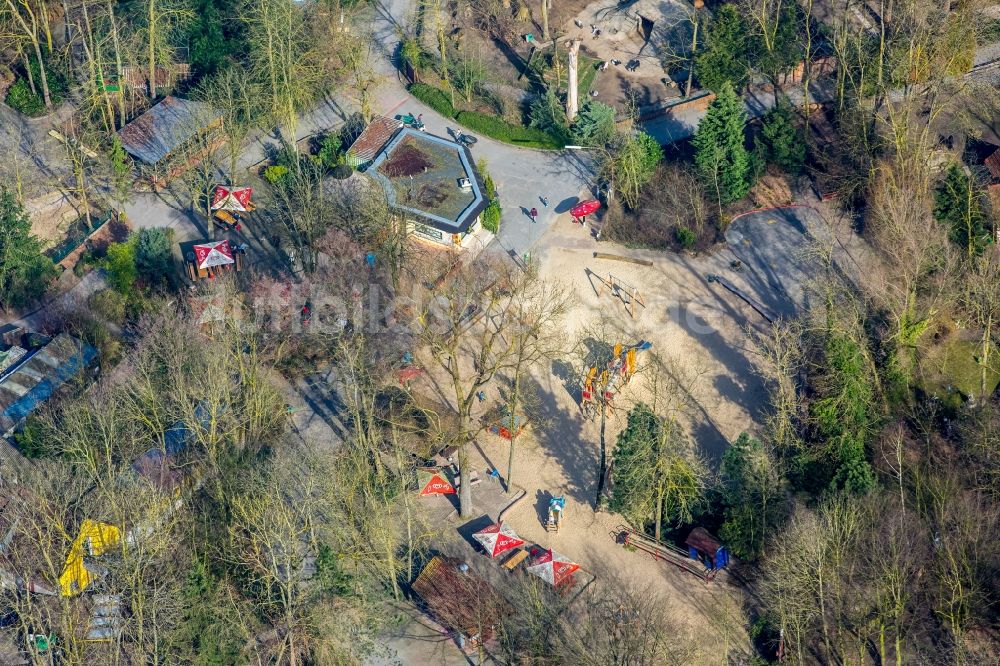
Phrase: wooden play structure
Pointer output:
(601, 386)
(621, 290)
(705, 557)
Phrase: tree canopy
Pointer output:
(725, 56)
(24, 271)
(721, 156)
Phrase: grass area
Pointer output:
(953, 366)
(488, 125)
(587, 76)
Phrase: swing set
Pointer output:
(621, 290)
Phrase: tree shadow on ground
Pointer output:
(466, 531)
(563, 440)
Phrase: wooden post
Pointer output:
(572, 103)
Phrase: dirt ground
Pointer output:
(51, 214)
(698, 333)
(647, 85)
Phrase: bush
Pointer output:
(20, 98)
(501, 130)
(110, 305)
(120, 265)
(685, 237)
(277, 175)
(330, 155)
(33, 439)
(435, 98)
(412, 52)
(153, 258)
(491, 217)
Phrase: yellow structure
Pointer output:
(94, 540)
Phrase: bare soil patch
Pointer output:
(407, 160)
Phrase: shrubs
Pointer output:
(434, 98)
(491, 217)
(21, 98)
(673, 214)
(120, 266)
(485, 124)
(330, 155)
(276, 175)
(685, 237)
(595, 126)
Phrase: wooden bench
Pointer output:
(519, 555)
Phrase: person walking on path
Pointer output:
(545, 202)
(534, 214)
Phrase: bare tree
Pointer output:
(466, 330)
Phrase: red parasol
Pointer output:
(208, 255)
(231, 198)
(498, 538)
(585, 208)
(436, 484)
(553, 568)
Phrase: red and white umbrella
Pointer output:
(208, 255)
(585, 208)
(498, 538)
(231, 198)
(434, 483)
(553, 568)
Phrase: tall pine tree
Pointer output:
(721, 157)
(24, 271)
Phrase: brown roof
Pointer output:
(702, 540)
(993, 163)
(460, 600)
(165, 127)
(373, 138)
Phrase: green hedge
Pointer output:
(491, 217)
(435, 98)
(487, 125)
(501, 130)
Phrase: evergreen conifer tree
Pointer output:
(720, 151)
